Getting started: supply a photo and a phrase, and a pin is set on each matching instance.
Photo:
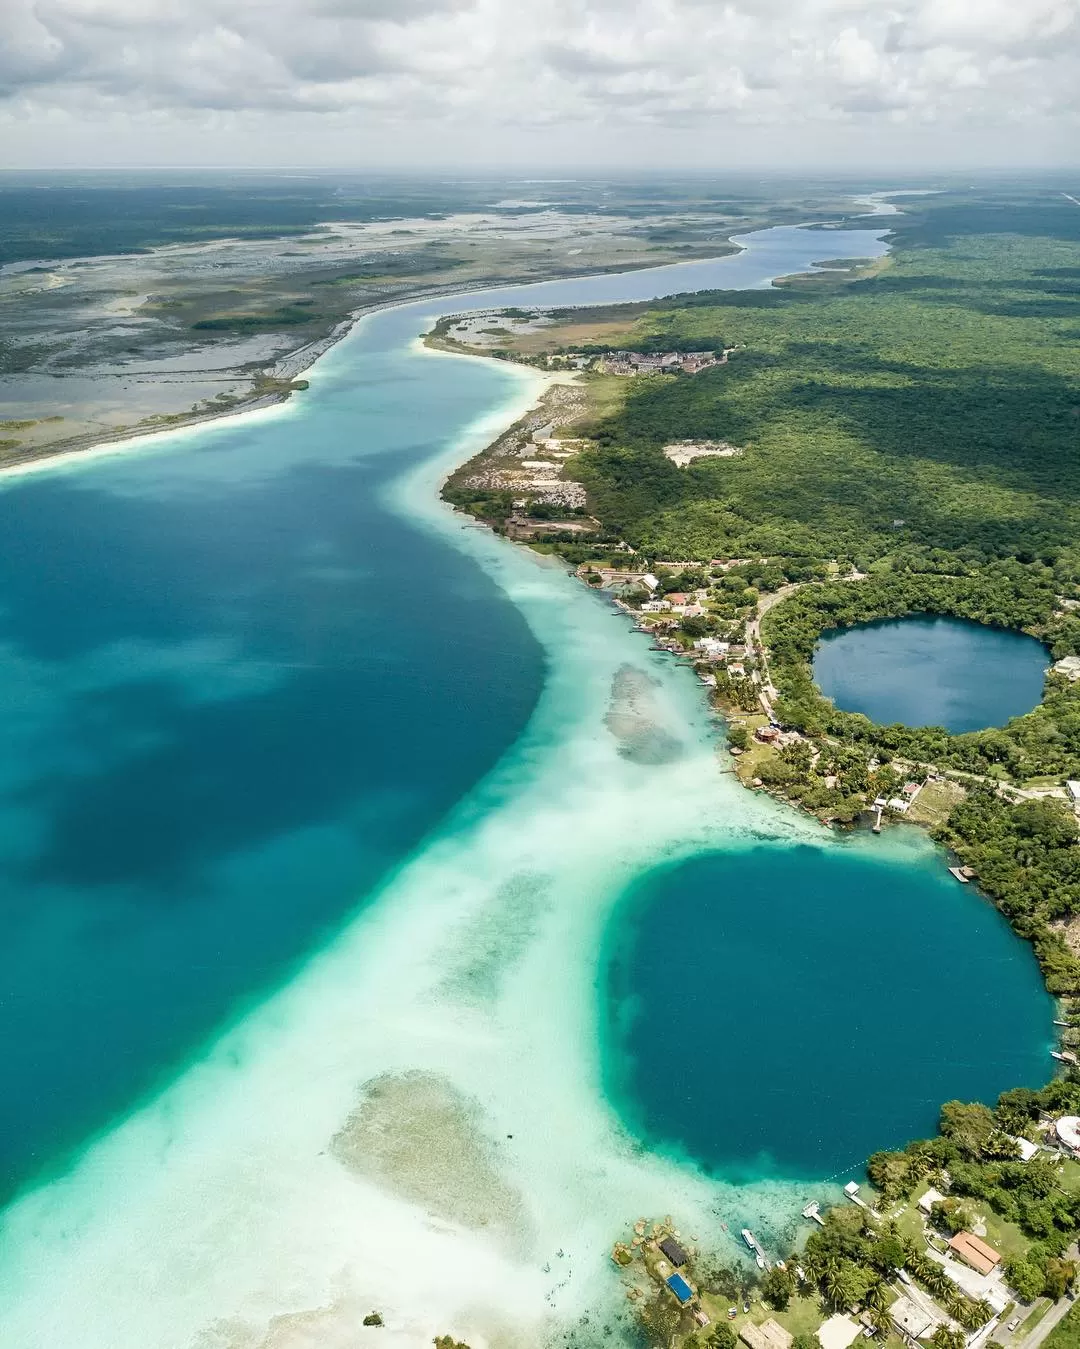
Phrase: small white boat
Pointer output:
(748, 1237)
(760, 1261)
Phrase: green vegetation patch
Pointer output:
(286, 315)
(937, 403)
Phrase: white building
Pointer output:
(1067, 1131)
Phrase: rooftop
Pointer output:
(838, 1332)
(974, 1251)
(1067, 1129)
(930, 1198)
(910, 1318)
(674, 1251)
(769, 1335)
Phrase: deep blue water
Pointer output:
(787, 1012)
(238, 688)
(232, 703)
(932, 672)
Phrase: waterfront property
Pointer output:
(674, 1252)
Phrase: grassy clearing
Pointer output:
(933, 804)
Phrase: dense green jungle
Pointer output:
(917, 422)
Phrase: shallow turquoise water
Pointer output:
(242, 688)
(267, 657)
(789, 1011)
(927, 671)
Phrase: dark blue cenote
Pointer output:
(931, 671)
(784, 1012)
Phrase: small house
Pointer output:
(674, 1251)
(1073, 788)
(1026, 1148)
(975, 1252)
(910, 1319)
(769, 1335)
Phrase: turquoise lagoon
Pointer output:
(317, 807)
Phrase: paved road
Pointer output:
(1046, 1325)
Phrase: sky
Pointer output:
(535, 84)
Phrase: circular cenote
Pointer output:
(931, 671)
(785, 1012)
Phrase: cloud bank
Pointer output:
(415, 78)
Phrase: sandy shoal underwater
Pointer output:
(417, 1123)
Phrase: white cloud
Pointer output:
(477, 70)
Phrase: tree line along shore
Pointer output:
(884, 442)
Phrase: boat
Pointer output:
(748, 1237)
(760, 1260)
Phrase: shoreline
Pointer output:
(293, 365)
(414, 888)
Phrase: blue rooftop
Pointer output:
(680, 1287)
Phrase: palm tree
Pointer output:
(877, 1296)
(879, 1319)
(940, 1284)
(947, 1338)
(838, 1286)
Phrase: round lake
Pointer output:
(788, 1011)
(931, 672)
